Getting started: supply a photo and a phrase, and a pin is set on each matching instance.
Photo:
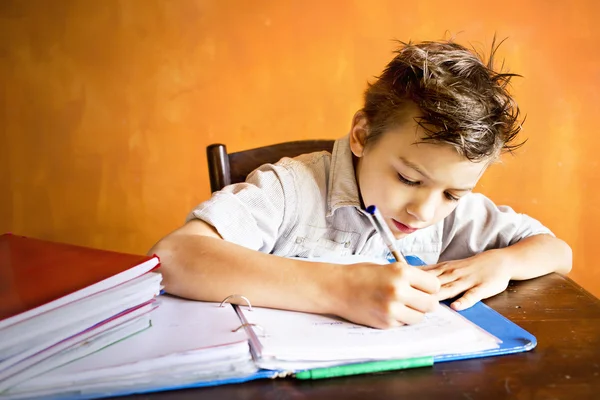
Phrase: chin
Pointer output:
(401, 235)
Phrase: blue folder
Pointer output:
(514, 339)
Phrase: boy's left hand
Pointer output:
(479, 277)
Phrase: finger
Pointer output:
(453, 289)
(435, 269)
(422, 280)
(469, 299)
(435, 272)
(449, 276)
(418, 300)
(383, 323)
(406, 315)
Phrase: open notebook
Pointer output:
(193, 344)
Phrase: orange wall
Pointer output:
(107, 106)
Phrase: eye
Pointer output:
(451, 197)
(408, 182)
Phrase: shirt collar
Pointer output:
(342, 188)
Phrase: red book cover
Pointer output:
(35, 272)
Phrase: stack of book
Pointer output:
(61, 302)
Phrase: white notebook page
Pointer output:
(306, 338)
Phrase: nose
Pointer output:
(423, 206)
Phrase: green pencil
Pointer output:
(365, 368)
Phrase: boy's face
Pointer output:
(413, 185)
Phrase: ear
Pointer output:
(358, 133)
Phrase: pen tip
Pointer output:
(371, 210)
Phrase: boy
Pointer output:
(430, 126)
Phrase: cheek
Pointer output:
(383, 193)
(391, 195)
(376, 184)
(372, 193)
(444, 210)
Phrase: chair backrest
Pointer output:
(225, 168)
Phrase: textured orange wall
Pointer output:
(107, 107)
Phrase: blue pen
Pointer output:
(387, 236)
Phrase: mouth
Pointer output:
(404, 228)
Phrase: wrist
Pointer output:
(333, 290)
(502, 259)
(320, 285)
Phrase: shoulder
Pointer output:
(310, 163)
(476, 206)
(473, 214)
(300, 170)
(478, 224)
(475, 200)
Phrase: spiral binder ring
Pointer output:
(238, 296)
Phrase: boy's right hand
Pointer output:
(385, 296)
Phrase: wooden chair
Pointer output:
(227, 168)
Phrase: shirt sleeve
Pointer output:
(477, 224)
(251, 213)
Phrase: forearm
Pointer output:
(536, 256)
(210, 269)
(197, 263)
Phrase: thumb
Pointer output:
(468, 299)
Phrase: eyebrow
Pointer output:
(420, 171)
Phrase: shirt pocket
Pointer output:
(311, 241)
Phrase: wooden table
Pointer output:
(564, 365)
